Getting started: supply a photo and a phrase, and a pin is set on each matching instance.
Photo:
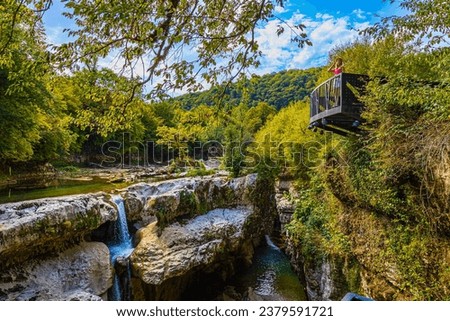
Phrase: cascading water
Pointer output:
(270, 275)
(271, 244)
(120, 246)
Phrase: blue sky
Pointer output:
(329, 23)
(335, 7)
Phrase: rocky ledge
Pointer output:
(167, 201)
(45, 225)
(202, 244)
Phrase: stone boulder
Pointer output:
(82, 272)
(204, 244)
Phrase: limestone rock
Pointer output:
(82, 272)
(285, 195)
(27, 225)
(205, 225)
(185, 197)
(182, 248)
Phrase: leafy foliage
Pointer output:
(218, 37)
(427, 23)
(390, 183)
(31, 122)
(276, 89)
(285, 144)
(105, 105)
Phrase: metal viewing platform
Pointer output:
(335, 104)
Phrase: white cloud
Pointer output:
(360, 14)
(323, 16)
(280, 9)
(331, 31)
(55, 35)
(324, 30)
(361, 26)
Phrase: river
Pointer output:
(270, 277)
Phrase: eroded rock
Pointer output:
(205, 225)
(183, 248)
(185, 197)
(25, 226)
(82, 272)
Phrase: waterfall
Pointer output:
(271, 244)
(270, 277)
(116, 292)
(120, 246)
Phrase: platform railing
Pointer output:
(327, 95)
(338, 95)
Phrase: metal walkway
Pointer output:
(335, 105)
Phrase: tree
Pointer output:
(236, 139)
(177, 43)
(257, 116)
(190, 130)
(276, 89)
(23, 92)
(105, 104)
(285, 143)
(426, 23)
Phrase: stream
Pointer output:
(270, 277)
(59, 187)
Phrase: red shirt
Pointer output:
(337, 71)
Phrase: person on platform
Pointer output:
(337, 67)
(335, 94)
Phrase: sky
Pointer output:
(329, 23)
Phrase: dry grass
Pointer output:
(430, 151)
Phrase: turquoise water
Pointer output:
(120, 246)
(59, 188)
(270, 276)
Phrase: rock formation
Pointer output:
(203, 226)
(185, 197)
(43, 253)
(188, 226)
(47, 225)
(82, 272)
(204, 244)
